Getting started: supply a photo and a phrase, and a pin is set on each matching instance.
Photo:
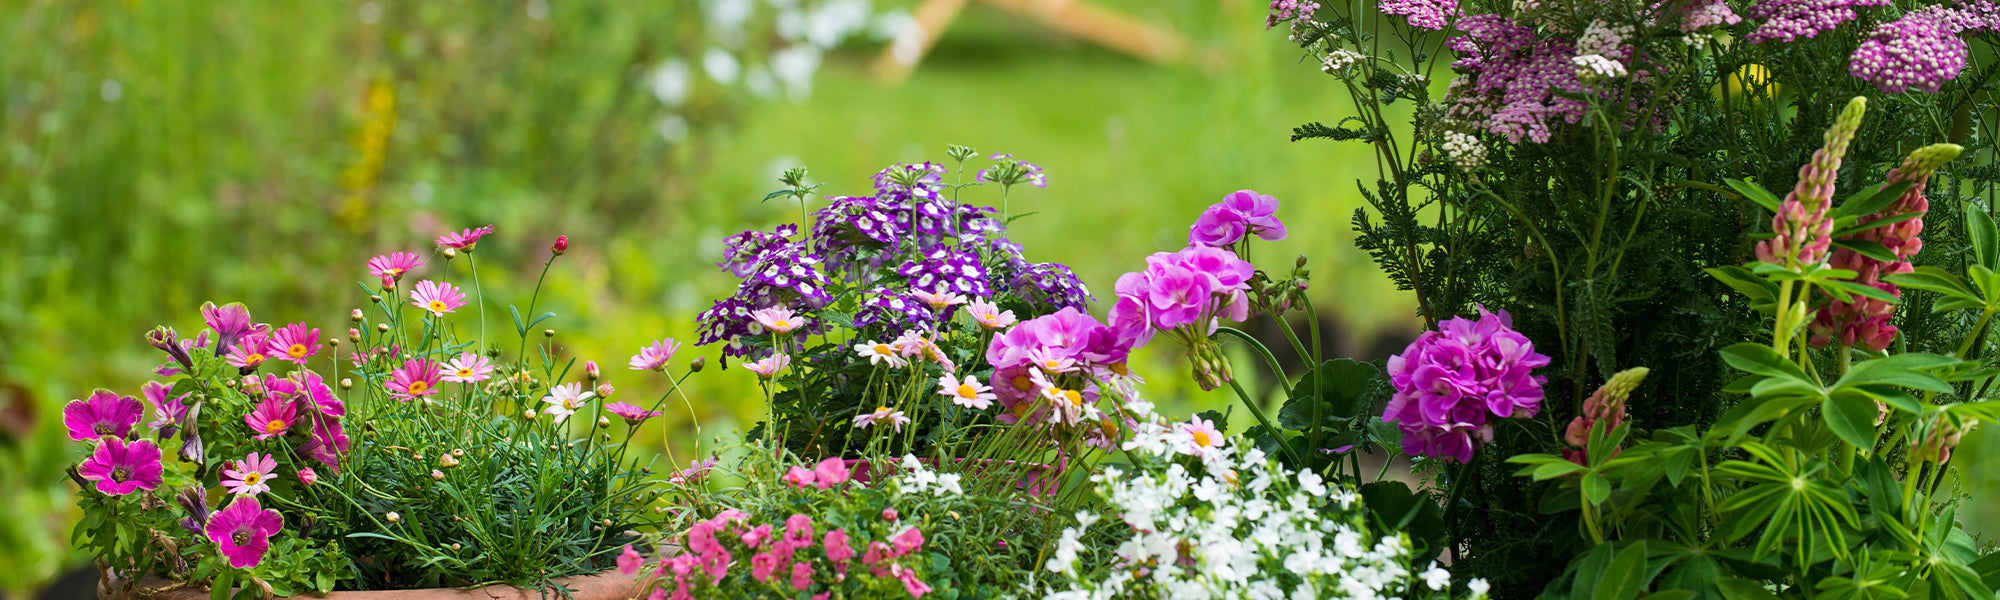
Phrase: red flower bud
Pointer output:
(561, 245)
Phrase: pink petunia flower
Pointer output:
(802, 573)
(777, 319)
(250, 476)
(464, 240)
(418, 377)
(837, 548)
(230, 321)
(799, 477)
(632, 414)
(469, 367)
(564, 400)
(916, 587)
(882, 413)
(105, 413)
(629, 561)
(831, 472)
(769, 365)
(910, 540)
(799, 530)
(967, 392)
(294, 343)
(120, 469)
(655, 357)
(170, 412)
(243, 531)
(437, 297)
(272, 417)
(394, 265)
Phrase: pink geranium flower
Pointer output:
(250, 476)
(777, 319)
(243, 531)
(272, 417)
(415, 379)
(394, 265)
(469, 367)
(120, 469)
(655, 357)
(464, 240)
(437, 297)
(295, 343)
(629, 561)
(631, 413)
(831, 472)
(1244, 212)
(105, 413)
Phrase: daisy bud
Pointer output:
(460, 452)
(437, 475)
(417, 456)
(388, 283)
(307, 476)
(332, 343)
(455, 546)
(561, 245)
(699, 362)
(630, 533)
(450, 253)
(392, 517)
(603, 422)
(604, 390)
(355, 315)
(353, 335)
(528, 414)
(590, 370)
(889, 514)
(376, 298)
(447, 461)
(382, 327)
(346, 384)
(548, 333)
(229, 383)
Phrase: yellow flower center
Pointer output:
(883, 349)
(297, 351)
(570, 403)
(1021, 382)
(967, 391)
(419, 387)
(1121, 369)
(467, 372)
(254, 358)
(1201, 438)
(437, 306)
(252, 478)
(781, 324)
(1074, 397)
(1052, 364)
(274, 426)
(1110, 427)
(1021, 410)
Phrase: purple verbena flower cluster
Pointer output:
(895, 310)
(1790, 20)
(775, 271)
(947, 269)
(1922, 50)
(1452, 382)
(1434, 15)
(1508, 79)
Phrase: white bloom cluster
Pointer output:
(917, 479)
(1603, 38)
(1242, 528)
(1594, 67)
(1340, 59)
(1464, 150)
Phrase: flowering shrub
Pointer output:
(411, 456)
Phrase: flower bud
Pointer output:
(450, 253)
(307, 476)
(696, 365)
(548, 333)
(603, 422)
(604, 390)
(889, 514)
(561, 245)
(354, 315)
(229, 383)
(528, 414)
(353, 335)
(459, 452)
(590, 370)
(382, 327)
(456, 547)
(388, 284)
(447, 461)
(346, 384)
(437, 475)
(376, 298)
(392, 517)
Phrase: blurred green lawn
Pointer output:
(216, 174)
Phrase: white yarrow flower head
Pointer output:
(1597, 67)
(564, 400)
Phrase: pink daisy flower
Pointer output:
(469, 367)
(1202, 437)
(243, 531)
(694, 472)
(120, 469)
(294, 343)
(939, 301)
(632, 414)
(394, 265)
(415, 379)
(564, 400)
(250, 476)
(878, 353)
(464, 240)
(437, 297)
(655, 357)
(769, 366)
(777, 319)
(272, 417)
(990, 316)
(105, 413)
(249, 352)
(881, 414)
(968, 392)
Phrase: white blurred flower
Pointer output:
(760, 82)
(669, 81)
(728, 16)
(795, 67)
(110, 90)
(721, 66)
(833, 21)
(673, 128)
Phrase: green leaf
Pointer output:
(1869, 249)
(1625, 577)
(519, 328)
(768, 197)
(1933, 279)
(1852, 417)
(1761, 359)
(1596, 488)
(1837, 287)
(1849, 231)
(1871, 200)
(1737, 588)
(219, 589)
(1985, 238)
(1394, 506)
(1763, 294)
(1755, 193)
(1343, 384)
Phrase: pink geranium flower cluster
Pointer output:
(1240, 214)
(1452, 382)
(791, 558)
(1046, 368)
(1186, 292)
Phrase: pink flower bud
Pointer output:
(604, 390)
(590, 370)
(889, 514)
(307, 476)
(561, 245)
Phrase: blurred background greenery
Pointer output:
(154, 155)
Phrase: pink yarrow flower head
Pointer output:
(1789, 20)
(881, 414)
(1434, 15)
(1242, 213)
(468, 367)
(272, 417)
(967, 392)
(437, 297)
(120, 468)
(564, 400)
(418, 377)
(394, 265)
(294, 343)
(243, 531)
(777, 319)
(104, 413)
(989, 316)
(656, 356)
(831, 472)
(1922, 50)
(1286, 10)
(632, 414)
(250, 476)
(769, 366)
(1451, 382)
(464, 240)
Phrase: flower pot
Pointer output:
(609, 585)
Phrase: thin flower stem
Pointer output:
(521, 352)
(1283, 443)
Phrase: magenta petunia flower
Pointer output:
(464, 240)
(120, 469)
(272, 417)
(169, 412)
(437, 297)
(243, 531)
(1242, 213)
(230, 321)
(655, 357)
(104, 413)
(394, 265)
(469, 367)
(250, 476)
(294, 343)
(632, 414)
(418, 377)
(329, 441)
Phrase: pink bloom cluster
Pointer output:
(1922, 50)
(300, 403)
(1789, 20)
(1053, 358)
(1242, 213)
(1285, 10)
(1707, 13)
(1864, 323)
(1509, 79)
(779, 557)
(1434, 15)
(1191, 288)
(1804, 233)
(1451, 382)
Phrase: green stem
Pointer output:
(1277, 433)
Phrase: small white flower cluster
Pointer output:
(1603, 38)
(1340, 59)
(1464, 150)
(1595, 67)
(917, 479)
(1243, 528)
